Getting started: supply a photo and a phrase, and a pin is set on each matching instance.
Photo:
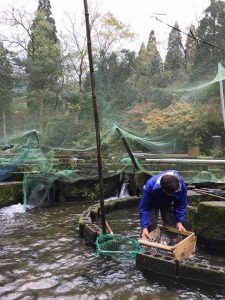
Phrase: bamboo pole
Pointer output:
(95, 109)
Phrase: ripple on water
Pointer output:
(71, 297)
(41, 284)
(14, 296)
(3, 280)
(8, 287)
(64, 288)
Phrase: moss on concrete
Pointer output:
(190, 216)
(88, 189)
(209, 223)
(10, 193)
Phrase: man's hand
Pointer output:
(180, 226)
(144, 234)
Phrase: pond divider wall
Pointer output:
(84, 189)
(154, 263)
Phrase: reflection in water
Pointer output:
(42, 257)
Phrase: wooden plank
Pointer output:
(181, 250)
(171, 229)
(155, 245)
(185, 248)
(185, 240)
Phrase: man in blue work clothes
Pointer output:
(167, 193)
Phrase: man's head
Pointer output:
(169, 184)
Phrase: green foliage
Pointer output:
(92, 194)
(45, 7)
(149, 70)
(134, 90)
(6, 80)
(6, 84)
(210, 39)
(217, 152)
(44, 55)
(191, 123)
(113, 80)
(190, 48)
(174, 61)
(43, 65)
(66, 130)
(154, 60)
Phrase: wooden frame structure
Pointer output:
(182, 250)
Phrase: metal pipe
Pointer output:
(95, 109)
(222, 101)
(187, 161)
(221, 94)
(208, 194)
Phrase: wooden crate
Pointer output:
(170, 241)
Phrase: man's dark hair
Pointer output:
(169, 183)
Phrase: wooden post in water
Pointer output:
(95, 109)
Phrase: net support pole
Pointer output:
(221, 94)
(128, 150)
(222, 101)
(95, 109)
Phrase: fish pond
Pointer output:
(42, 257)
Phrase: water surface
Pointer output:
(42, 257)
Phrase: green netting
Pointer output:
(205, 177)
(118, 247)
(159, 101)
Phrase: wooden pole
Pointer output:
(108, 227)
(95, 109)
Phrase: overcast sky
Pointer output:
(139, 14)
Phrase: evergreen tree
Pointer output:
(154, 61)
(45, 6)
(6, 83)
(141, 63)
(210, 40)
(155, 65)
(141, 74)
(43, 62)
(149, 70)
(120, 70)
(114, 80)
(174, 61)
(190, 48)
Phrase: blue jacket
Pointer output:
(153, 196)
